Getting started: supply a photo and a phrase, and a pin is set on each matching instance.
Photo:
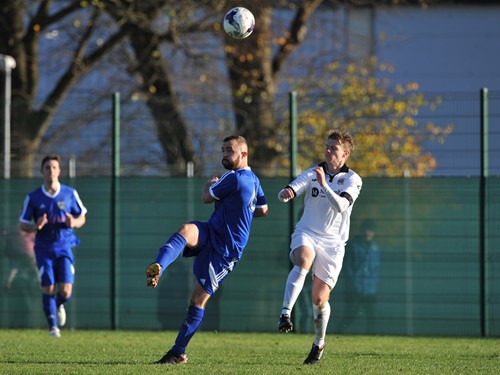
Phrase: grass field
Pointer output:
(132, 352)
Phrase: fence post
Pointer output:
(293, 154)
(7, 63)
(483, 215)
(115, 213)
(292, 208)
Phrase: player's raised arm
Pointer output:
(206, 197)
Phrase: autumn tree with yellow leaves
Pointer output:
(383, 120)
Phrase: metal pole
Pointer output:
(115, 213)
(408, 252)
(7, 63)
(293, 165)
(293, 135)
(293, 153)
(483, 216)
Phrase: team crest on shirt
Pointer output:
(341, 181)
(61, 205)
(315, 192)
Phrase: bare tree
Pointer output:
(21, 25)
(253, 72)
(143, 38)
(134, 22)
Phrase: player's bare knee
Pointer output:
(301, 258)
(65, 290)
(190, 233)
(48, 290)
(319, 301)
(65, 293)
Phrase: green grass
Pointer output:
(132, 352)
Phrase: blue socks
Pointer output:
(166, 255)
(193, 321)
(50, 309)
(170, 251)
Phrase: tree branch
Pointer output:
(296, 34)
(79, 66)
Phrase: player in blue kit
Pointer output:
(52, 211)
(217, 244)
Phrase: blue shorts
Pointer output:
(210, 268)
(53, 268)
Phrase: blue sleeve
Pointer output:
(27, 213)
(261, 198)
(77, 207)
(225, 186)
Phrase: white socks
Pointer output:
(294, 285)
(321, 317)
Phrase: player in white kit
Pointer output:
(318, 241)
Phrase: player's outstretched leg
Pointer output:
(153, 275)
(166, 255)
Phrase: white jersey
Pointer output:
(327, 210)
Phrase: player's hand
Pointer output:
(206, 197)
(69, 220)
(212, 181)
(42, 220)
(320, 174)
(285, 195)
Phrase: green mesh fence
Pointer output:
(428, 231)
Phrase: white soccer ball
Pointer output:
(239, 23)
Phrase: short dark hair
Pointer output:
(238, 138)
(50, 157)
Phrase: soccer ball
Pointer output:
(239, 23)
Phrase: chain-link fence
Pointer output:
(82, 133)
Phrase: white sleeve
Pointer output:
(353, 188)
(338, 203)
(300, 184)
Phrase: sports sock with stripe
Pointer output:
(170, 250)
(49, 308)
(191, 324)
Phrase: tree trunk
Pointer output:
(170, 126)
(252, 82)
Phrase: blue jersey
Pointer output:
(55, 235)
(237, 194)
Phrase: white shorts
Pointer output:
(328, 256)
